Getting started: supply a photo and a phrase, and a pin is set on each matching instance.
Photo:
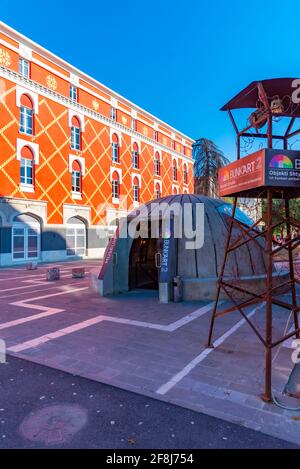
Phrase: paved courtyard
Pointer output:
(137, 344)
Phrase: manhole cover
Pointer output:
(54, 425)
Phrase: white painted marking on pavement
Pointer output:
(33, 283)
(97, 319)
(199, 358)
(47, 311)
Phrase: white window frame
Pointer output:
(75, 227)
(157, 166)
(76, 177)
(115, 189)
(25, 227)
(26, 163)
(24, 128)
(185, 175)
(136, 193)
(74, 93)
(113, 113)
(135, 159)
(75, 138)
(175, 172)
(24, 67)
(115, 152)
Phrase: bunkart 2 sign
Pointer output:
(264, 168)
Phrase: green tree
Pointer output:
(278, 212)
(208, 159)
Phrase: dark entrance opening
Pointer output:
(143, 263)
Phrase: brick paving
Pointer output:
(135, 343)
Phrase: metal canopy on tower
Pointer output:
(269, 173)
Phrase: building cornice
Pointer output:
(109, 100)
(44, 91)
(18, 37)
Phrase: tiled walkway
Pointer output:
(135, 343)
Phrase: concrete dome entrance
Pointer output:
(147, 258)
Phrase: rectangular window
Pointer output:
(18, 243)
(75, 138)
(115, 189)
(185, 177)
(157, 167)
(113, 113)
(133, 124)
(73, 93)
(135, 160)
(136, 193)
(76, 241)
(115, 152)
(155, 135)
(157, 193)
(26, 120)
(32, 243)
(26, 172)
(175, 173)
(24, 68)
(76, 181)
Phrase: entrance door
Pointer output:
(143, 270)
(25, 239)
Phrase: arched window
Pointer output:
(115, 148)
(75, 134)
(175, 190)
(26, 115)
(26, 166)
(135, 156)
(76, 177)
(174, 170)
(136, 190)
(185, 174)
(157, 164)
(115, 185)
(76, 237)
(157, 191)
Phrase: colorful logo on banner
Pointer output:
(225, 176)
(281, 162)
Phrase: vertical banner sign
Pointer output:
(167, 255)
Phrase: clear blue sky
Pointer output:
(180, 60)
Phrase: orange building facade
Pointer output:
(74, 156)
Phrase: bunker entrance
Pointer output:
(144, 262)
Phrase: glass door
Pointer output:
(25, 241)
(76, 240)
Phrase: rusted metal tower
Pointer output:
(266, 174)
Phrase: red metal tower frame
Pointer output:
(248, 98)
